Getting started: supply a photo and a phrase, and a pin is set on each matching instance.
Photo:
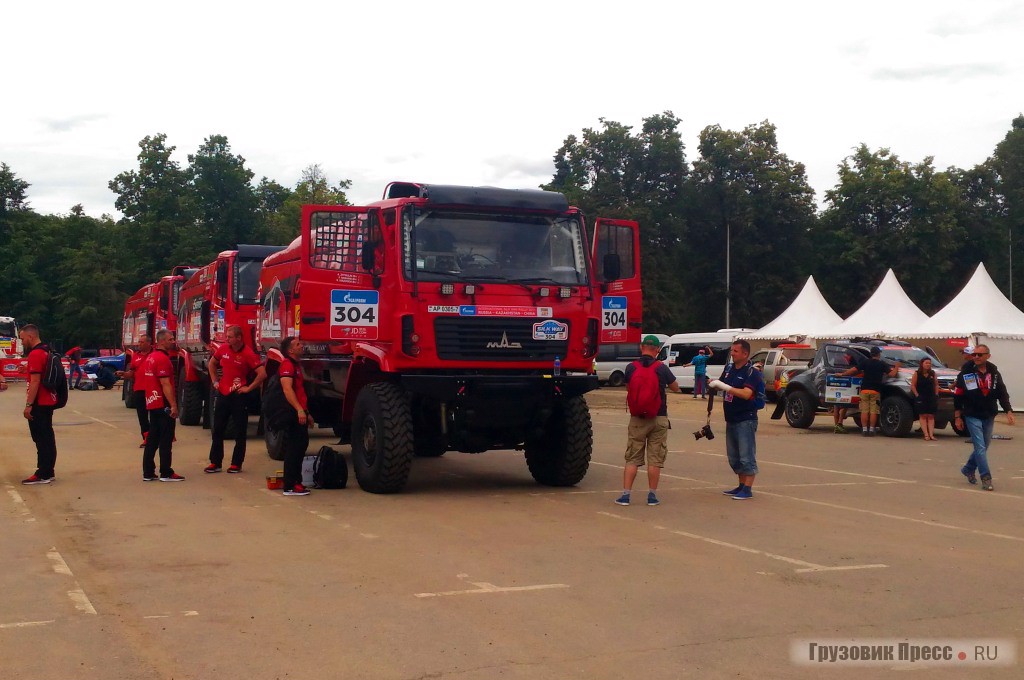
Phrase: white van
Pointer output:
(612, 359)
(682, 347)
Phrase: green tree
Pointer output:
(89, 296)
(12, 191)
(313, 188)
(611, 172)
(222, 201)
(748, 198)
(154, 201)
(886, 213)
(1008, 163)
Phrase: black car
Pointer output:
(804, 393)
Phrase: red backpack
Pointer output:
(644, 392)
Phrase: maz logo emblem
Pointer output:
(504, 344)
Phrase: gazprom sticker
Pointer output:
(354, 314)
(550, 330)
(613, 312)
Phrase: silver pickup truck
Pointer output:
(775, 361)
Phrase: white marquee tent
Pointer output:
(980, 308)
(982, 314)
(887, 313)
(807, 315)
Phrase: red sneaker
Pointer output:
(234, 469)
(297, 490)
(46, 480)
(211, 468)
(173, 477)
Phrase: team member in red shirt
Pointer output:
(296, 435)
(163, 410)
(134, 373)
(39, 407)
(236, 362)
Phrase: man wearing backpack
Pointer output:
(646, 380)
(40, 403)
(743, 387)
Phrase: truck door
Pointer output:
(341, 262)
(616, 256)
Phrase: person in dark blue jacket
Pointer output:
(978, 393)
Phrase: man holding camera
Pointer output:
(648, 434)
(740, 383)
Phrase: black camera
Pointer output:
(704, 432)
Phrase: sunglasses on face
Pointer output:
(980, 354)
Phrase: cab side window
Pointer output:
(336, 240)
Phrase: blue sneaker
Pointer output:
(732, 492)
(742, 495)
(623, 499)
(652, 498)
(969, 475)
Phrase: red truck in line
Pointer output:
(221, 294)
(449, 318)
(152, 308)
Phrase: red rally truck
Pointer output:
(152, 308)
(449, 318)
(221, 294)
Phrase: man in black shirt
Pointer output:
(875, 371)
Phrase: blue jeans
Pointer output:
(980, 430)
(741, 446)
(700, 384)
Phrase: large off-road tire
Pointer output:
(382, 441)
(275, 443)
(895, 416)
(128, 393)
(617, 379)
(561, 456)
(190, 401)
(800, 408)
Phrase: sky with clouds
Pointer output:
(485, 93)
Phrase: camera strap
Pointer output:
(711, 402)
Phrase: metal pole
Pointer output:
(728, 257)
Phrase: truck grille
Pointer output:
(476, 339)
(946, 382)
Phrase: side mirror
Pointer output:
(611, 267)
(368, 256)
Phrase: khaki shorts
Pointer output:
(869, 401)
(647, 436)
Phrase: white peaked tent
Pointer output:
(808, 315)
(982, 314)
(980, 308)
(887, 313)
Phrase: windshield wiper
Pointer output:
(538, 279)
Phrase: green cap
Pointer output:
(651, 341)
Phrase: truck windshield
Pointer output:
(247, 279)
(492, 247)
(909, 357)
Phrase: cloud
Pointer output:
(508, 170)
(72, 122)
(953, 72)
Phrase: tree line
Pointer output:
(71, 273)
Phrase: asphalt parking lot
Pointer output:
(476, 572)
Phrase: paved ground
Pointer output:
(476, 572)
